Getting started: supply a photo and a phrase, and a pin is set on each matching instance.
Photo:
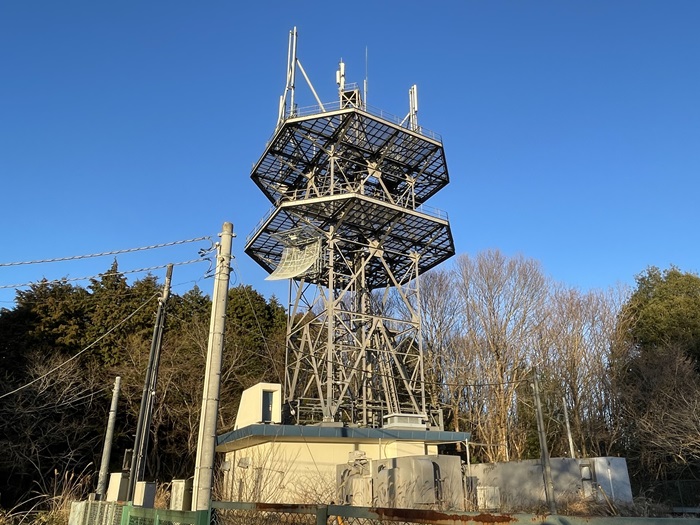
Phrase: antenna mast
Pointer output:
(366, 82)
(291, 78)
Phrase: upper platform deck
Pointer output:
(323, 150)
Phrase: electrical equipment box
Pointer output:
(181, 494)
(145, 494)
(118, 487)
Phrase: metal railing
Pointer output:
(341, 189)
(241, 513)
(238, 513)
(307, 111)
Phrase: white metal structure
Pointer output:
(349, 228)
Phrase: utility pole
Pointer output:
(544, 452)
(143, 425)
(109, 434)
(206, 442)
(568, 429)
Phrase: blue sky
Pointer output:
(571, 129)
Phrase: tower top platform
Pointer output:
(379, 156)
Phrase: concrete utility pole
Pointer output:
(544, 451)
(572, 452)
(206, 442)
(109, 434)
(143, 425)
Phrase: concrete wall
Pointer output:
(611, 476)
(300, 472)
(521, 483)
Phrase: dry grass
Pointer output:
(162, 499)
(50, 503)
(583, 507)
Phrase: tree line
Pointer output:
(56, 423)
(622, 363)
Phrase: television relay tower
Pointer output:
(350, 230)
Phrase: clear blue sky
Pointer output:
(571, 129)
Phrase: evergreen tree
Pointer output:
(57, 421)
(120, 314)
(655, 368)
(664, 311)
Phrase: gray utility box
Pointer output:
(181, 494)
(412, 482)
(118, 488)
(145, 494)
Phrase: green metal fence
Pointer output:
(112, 513)
(141, 516)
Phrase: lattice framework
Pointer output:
(352, 184)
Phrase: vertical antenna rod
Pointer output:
(366, 83)
(340, 76)
(291, 78)
(413, 105)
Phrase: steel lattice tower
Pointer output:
(350, 230)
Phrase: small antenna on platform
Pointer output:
(366, 77)
(340, 76)
(413, 105)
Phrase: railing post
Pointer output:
(126, 514)
(203, 517)
(321, 514)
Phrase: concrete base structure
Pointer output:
(396, 466)
(268, 462)
(299, 464)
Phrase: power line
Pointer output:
(132, 314)
(103, 254)
(66, 280)
(257, 322)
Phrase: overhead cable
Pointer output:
(237, 271)
(103, 254)
(66, 279)
(88, 347)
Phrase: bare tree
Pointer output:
(51, 425)
(440, 322)
(574, 354)
(660, 398)
(504, 301)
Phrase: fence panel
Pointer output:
(95, 512)
(113, 513)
